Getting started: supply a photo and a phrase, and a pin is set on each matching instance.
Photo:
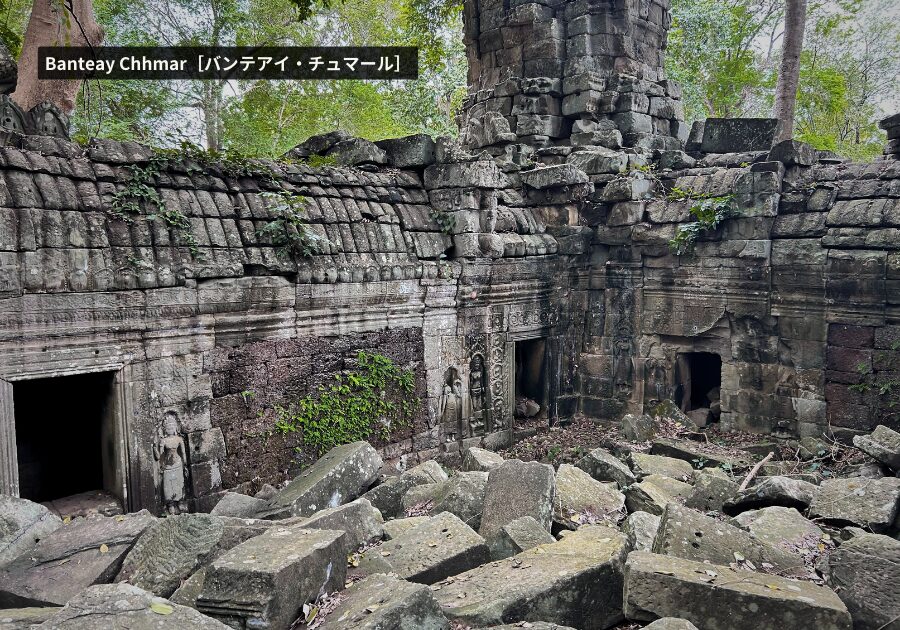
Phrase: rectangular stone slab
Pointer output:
(440, 547)
(265, 581)
(341, 475)
(79, 554)
(664, 586)
(576, 581)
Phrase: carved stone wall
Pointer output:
(447, 263)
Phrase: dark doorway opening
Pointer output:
(698, 385)
(65, 436)
(531, 378)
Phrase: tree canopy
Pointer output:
(725, 53)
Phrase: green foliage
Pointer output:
(376, 398)
(288, 231)
(710, 212)
(881, 384)
(446, 221)
(139, 197)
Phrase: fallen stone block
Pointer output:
(576, 582)
(640, 528)
(780, 527)
(711, 491)
(699, 456)
(691, 535)
(388, 497)
(126, 606)
(169, 551)
(265, 581)
(356, 151)
(462, 495)
(415, 151)
(638, 428)
(79, 554)
(654, 492)
(358, 519)
(517, 488)
(24, 524)
(394, 528)
(440, 547)
(580, 499)
(712, 596)
(382, 602)
(883, 444)
(341, 475)
(865, 573)
(868, 503)
(644, 464)
(517, 536)
(479, 459)
(604, 466)
(238, 506)
(769, 491)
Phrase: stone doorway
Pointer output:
(531, 383)
(68, 442)
(698, 383)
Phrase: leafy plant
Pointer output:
(288, 231)
(447, 222)
(376, 398)
(710, 212)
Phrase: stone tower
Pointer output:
(550, 73)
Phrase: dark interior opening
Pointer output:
(531, 380)
(699, 381)
(64, 435)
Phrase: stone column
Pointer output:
(560, 72)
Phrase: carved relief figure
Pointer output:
(477, 390)
(172, 457)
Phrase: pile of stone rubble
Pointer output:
(621, 535)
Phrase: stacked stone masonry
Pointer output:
(538, 245)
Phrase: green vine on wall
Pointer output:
(376, 398)
(139, 197)
(446, 221)
(709, 211)
(288, 231)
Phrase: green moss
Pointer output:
(375, 399)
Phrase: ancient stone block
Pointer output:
(868, 503)
(604, 466)
(24, 524)
(581, 499)
(705, 594)
(362, 523)
(127, 606)
(388, 496)
(84, 552)
(266, 580)
(169, 551)
(576, 581)
(654, 492)
(383, 601)
(438, 548)
(481, 460)
(341, 475)
(515, 489)
(882, 444)
(733, 135)
(783, 491)
(865, 573)
(644, 464)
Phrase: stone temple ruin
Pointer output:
(525, 275)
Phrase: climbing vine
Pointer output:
(445, 220)
(288, 231)
(376, 398)
(709, 211)
(139, 197)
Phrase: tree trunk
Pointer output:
(789, 73)
(52, 25)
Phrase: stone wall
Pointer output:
(447, 257)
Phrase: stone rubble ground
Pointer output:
(628, 534)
